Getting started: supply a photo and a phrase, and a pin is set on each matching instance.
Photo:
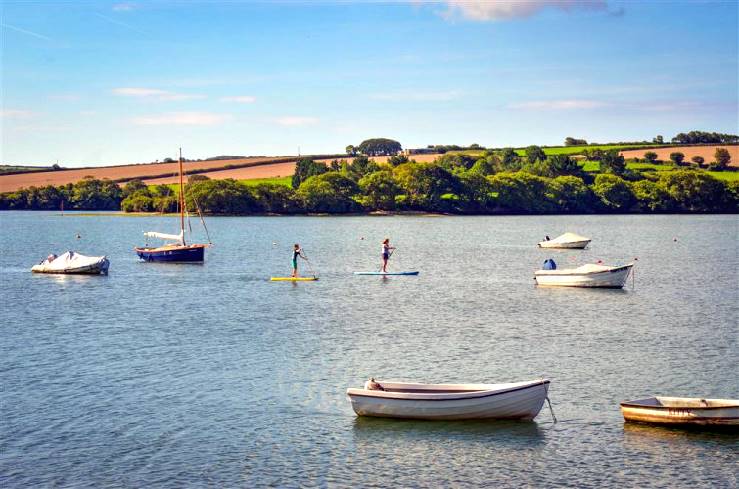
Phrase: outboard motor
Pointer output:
(549, 264)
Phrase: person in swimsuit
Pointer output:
(386, 252)
(297, 252)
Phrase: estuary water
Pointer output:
(210, 375)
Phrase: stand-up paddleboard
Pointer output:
(386, 273)
(294, 279)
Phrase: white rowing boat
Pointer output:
(590, 275)
(567, 240)
(73, 263)
(683, 411)
(518, 400)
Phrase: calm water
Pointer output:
(188, 375)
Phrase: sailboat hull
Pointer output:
(173, 254)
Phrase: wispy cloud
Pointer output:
(16, 113)
(120, 23)
(181, 119)
(296, 120)
(441, 96)
(154, 93)
(64, 97)
(572, 104)
(240, 99)
(26, 32)
(124, 6)
(497, 10)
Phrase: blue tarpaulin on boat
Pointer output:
(549, 264)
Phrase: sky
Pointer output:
(90, 83)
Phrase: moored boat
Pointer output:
(73, 263)
(567, 240)
(177, 250)
(683, 411)
(589, 275)
(518, 400)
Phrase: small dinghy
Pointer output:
(683, 411)
(72, 262)
(519, 400)
(386, 273)
(590, 275)
(567, 240)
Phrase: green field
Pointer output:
(286, 181)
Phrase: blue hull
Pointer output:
(183, 255)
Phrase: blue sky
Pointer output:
(97, 83)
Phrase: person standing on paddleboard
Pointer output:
(297, 252)
(386, 252)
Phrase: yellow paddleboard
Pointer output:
(293, 279)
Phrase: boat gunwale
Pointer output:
(631, 404)
(378, 394)
(580, 274)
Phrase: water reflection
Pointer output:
(642, 436)
(368, 430)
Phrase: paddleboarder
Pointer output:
(297, 252)
(386, 252)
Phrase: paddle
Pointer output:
(310, 266)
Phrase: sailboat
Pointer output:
(177, 249)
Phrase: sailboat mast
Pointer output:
(182, 202)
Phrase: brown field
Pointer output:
(706, 152)
(10, 183)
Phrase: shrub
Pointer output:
(613, 192)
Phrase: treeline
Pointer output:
(497, 182)
(701, 137)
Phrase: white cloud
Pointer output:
(573, 104)
(16, 113)
(494, 10)
(296, 120)
(124, 7)
(240, 99)
(154, 93)
(181, 119)
(443, 96)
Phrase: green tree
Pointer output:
(351, 150)
(93, 194)
(522, 192)
(510, 159)
(613, 192)
(139, 201)
(658, 140)
(650, 156)
(361, 166)
(133, 186)
(535, 153)
(221, 197)
(475, 191)
(575, 142)
(722, 157)
(425, 183)
(695, 191)
(489, 164)
(306, 168)
(613, 162)
(677, 158)
(453, 162)
(650, 196)
(329, 192)
(275, 198)
(379, 147)
(698, 160)
(379, 189)
(397, 160)
(570, 194)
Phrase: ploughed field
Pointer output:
(706, 152)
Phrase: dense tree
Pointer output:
(535, 153)
(222, 197)
(650, 156)
(379, 190)
(570, 194)
(139, 201)
(677, 158)
(722, 157)
(397, 160)
(351, 150)
(488, 164)
(698, 160)
(379, 147)
(475, 191)
(306, 168)
(522, 192)
(455, 162)
(275, 198)
(94, 194)
(658, 139)
(613, 192)
(361, 166)
(425, 183)
(132, 186)
(613, 162)
(329, 192)
(510, 159)
(695, 191)
(650, 196)
(569, 141)
(701, 137)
